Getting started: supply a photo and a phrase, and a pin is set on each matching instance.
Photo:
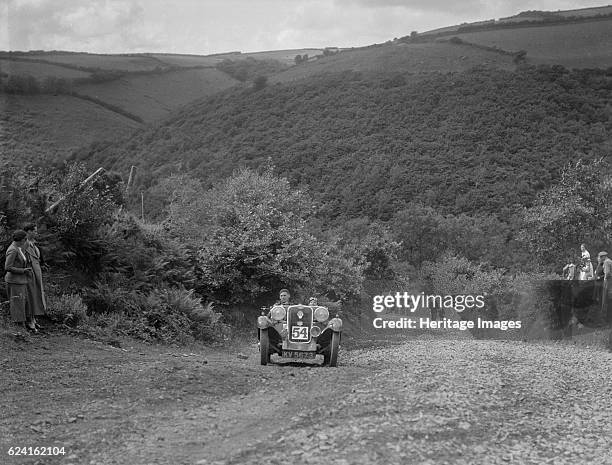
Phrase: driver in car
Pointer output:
(283, 297)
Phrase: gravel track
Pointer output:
(429, 400)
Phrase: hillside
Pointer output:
(405, 110)
(474, 141)
(142, 87)
(284, 56)
(572, 38)
(98, 61)
(143, 62)
(401, 58)
(38, 70)
(585, 44)
(46, 128)
(532, 17)
(153, 96)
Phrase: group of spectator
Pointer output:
(602, 275)
(24, 279)
(583, 269)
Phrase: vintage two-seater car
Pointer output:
(299, 332)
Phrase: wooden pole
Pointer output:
(142, 206)
(129, 183)
(89, 178)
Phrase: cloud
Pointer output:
(440, 6)
(210, 26)
(346, 23)
(97, 25)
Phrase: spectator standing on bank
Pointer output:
(586, 266)
(598, 276)
(606, 292)
(18, 273)
(584, 252)
(36, 292)
(569, 271)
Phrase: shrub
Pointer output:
(533, 298)
(184, 302)
(164, 322)
(177, 314)
(67, 309)
(110, 298)
(22, 85)
(454, 274)
(170, 315)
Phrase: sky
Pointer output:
(214, 26)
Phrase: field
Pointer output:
(187, 60)
(45, 128)
(148, 62)
(152, 97)
(401, 58)
(576, 45)
(582, 13)
(106, 62)
(39, 70)
(286, 56)
(600, 10)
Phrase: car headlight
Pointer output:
(278, 313)
(315, 331)
(321, 314)
(335, 324)
(263, 322)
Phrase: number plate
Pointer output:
(298, 354)
(300, 333)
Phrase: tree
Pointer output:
(371, 243)
(22, 85)
(417, 229)
(73, 227)
(301, 59)
(425, 234)
(578, 209)
(251, 234)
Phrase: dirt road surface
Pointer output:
(429, 400)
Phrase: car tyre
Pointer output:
(334, 348)
(264, 346)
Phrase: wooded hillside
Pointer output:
(478, 141)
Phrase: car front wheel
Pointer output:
(264, 346)
(334, 347)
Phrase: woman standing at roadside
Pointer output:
(18, 272)
(36, 292)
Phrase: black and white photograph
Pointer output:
(306, 232)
